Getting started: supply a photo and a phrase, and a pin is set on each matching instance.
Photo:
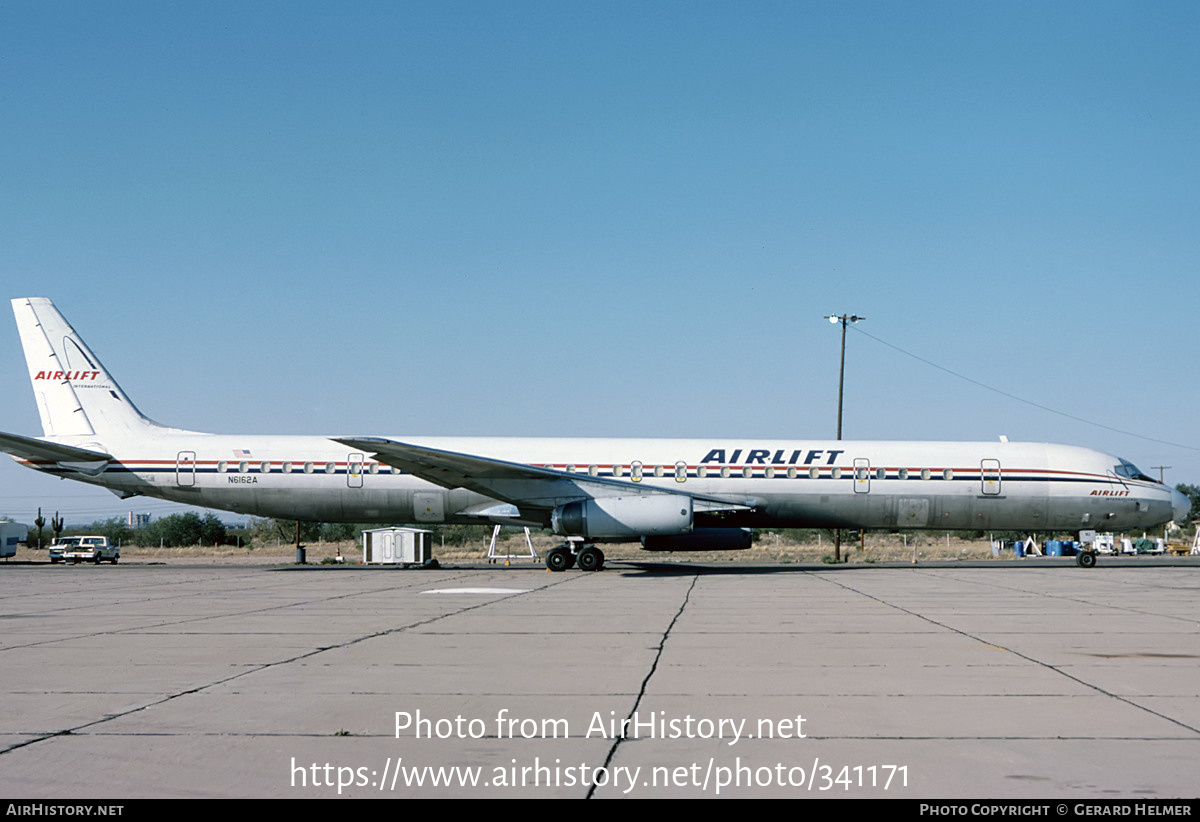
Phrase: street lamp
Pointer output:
(844, 320)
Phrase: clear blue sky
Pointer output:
(609, 218)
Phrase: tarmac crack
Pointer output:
(1015, 653)
(612, 751)
(43, 737)
(1090, 602)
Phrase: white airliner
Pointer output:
(671, 494)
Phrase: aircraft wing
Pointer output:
(526, 486)
(34, 450)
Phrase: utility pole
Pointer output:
(1166, 525)
(844, 320)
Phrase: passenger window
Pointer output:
(948, 474)
(680, 471)
(287, 468)
(925, 473)
(222, 467)
(902, 473)
(308, 467)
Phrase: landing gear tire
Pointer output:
(590, 558)
(559, 559)
(1085, 559)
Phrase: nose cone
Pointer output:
(1181, 503)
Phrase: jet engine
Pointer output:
(624, 517)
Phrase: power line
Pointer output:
(1022, 399)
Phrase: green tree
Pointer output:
(212, 530)
(284, 531)
(1192, 492)
(182, 529)
(115, 528)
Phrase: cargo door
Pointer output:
(429, 507)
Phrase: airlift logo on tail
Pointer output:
(70, 376)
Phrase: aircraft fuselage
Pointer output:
(859, 484)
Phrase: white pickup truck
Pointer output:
(84, 549)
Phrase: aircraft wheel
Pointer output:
(590, 558)
(559, 559)
(1085, 559)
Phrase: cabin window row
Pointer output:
(679, 471)
(245, 467)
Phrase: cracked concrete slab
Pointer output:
(1021, 682)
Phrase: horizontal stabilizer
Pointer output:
(28, 448)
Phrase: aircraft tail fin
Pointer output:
(75, 394)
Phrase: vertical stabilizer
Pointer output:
(75, 394)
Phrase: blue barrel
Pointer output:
(1019, 548)
(1054, 548)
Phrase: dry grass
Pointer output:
(769, 548)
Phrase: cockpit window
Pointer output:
(1130, 471)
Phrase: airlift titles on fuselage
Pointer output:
(588, 490)
(760, 456)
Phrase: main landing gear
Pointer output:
(562, 558)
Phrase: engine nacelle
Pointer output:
(624, 517)
(705, 539)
